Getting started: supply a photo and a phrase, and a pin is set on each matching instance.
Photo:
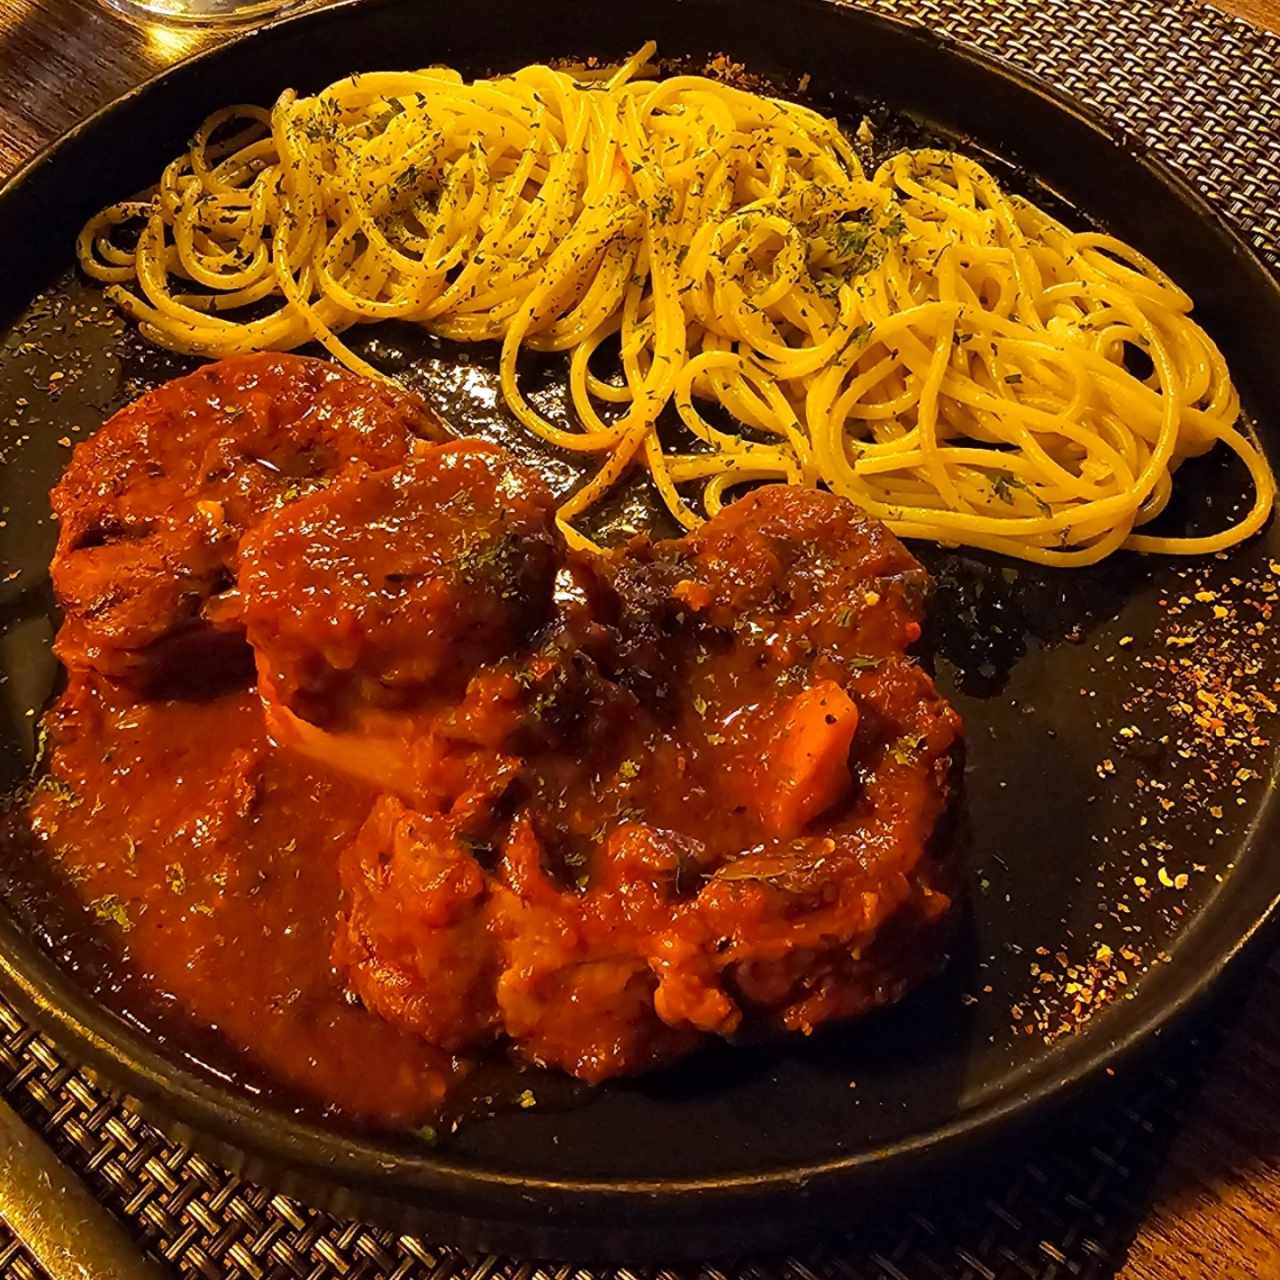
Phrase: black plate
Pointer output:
(738, 1150)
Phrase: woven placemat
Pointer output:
(1204, 90)
(1069, 1209)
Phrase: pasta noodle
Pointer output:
(946, 354)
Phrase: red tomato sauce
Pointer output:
(198, 868)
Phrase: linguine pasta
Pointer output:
(945, 354)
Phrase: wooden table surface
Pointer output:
(1216, 1210)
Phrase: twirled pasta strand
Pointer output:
(947, 355)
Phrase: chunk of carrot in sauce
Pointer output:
(806, 770)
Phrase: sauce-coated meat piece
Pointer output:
(152, 507)
(598, 808)
(787, 572)
(418, 948)
(390, 585)
(372, 604)
(736, 832)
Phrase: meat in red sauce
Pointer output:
(597, 808)
(152, 507)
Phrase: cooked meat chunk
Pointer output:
(599, 808)
(576, 989)
(785, 572)
(390, 585)
(380, 610)
(417, 947)
(153, 506)
(736, 828)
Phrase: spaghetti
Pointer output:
(946, 354)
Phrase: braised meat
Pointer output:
(400, 582)
(684, 799)
(598, 808)
(152, 507)
(372, 604)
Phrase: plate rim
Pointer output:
(195, 1105)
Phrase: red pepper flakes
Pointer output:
(1203, 705)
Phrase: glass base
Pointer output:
(201, 13)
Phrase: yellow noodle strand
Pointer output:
(944, 353)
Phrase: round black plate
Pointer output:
(1082, 822)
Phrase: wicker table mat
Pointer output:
(1203, 89)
